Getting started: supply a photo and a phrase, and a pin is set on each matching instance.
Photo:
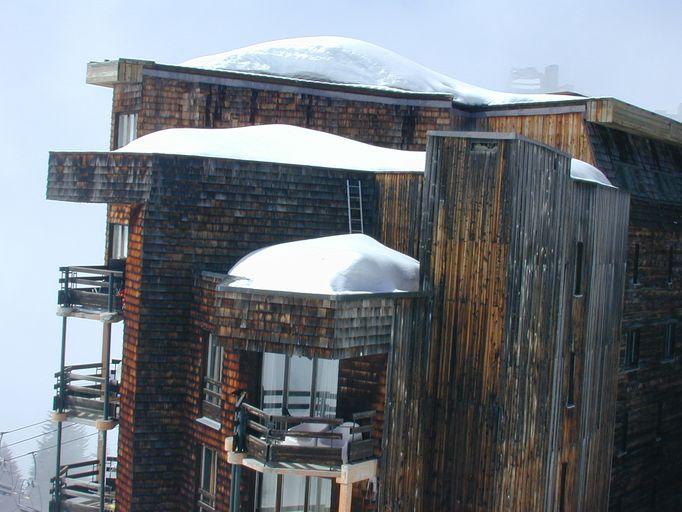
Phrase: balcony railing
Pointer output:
(323, 441)
(78, 489)
(80, 391)
(95, 288)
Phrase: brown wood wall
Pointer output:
(495, 253)
(647, 459)
(173, 103)
(399, 211)
(565, 131)
(163, 103)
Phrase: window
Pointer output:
(669, 342)
(635, 265)
(624, 437)
(119, 241)
(578, 281)
(570, 400)
(671, 263)
(632, 349)
(212, 402)
(207, 479)
(562, 491)
(126, 129)
(301, 387)
(659, 421)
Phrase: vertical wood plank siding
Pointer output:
(647, 460)
(496, 255)
(566, 132)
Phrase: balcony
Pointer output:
(78, 488)
(305, 446)
(316, 442)
(80, 394)
(91, 292)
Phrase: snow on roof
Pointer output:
(342, 60)
(333, 265)
(278, 143)
(286, 144)
(582, 171)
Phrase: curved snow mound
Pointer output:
(278, 143)
(582, 171)
(342, 264)
(347, 61)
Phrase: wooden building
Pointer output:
(180, 221)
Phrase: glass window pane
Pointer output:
(300, 384)
(293, 493)
(326, 387)
(272, 382)
(320, 495)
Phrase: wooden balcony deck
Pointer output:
(80, 394)
(93, 292)
(306, 446)
(303, 440)
(78, 490)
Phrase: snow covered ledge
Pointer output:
(333, 297)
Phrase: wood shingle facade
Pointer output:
(489, 426)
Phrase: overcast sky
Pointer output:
(627, 49)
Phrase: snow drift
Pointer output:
(286, 144)
(278, 143)
(342, 264)
(342, 60)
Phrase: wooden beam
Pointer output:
(629, 118)
(345, 497)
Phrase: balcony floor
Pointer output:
(344, 474)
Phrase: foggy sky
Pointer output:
(626, 49)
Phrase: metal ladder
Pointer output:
(354, 196)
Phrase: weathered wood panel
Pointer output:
(399, 211)
(496, 251)
(175, 103)
(330, 327)
(565, 131)
(647, 459)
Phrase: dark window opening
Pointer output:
(624, 436)
(669, 342)
(671, 263)
(632, 349)
(659, 421)
(570, 400)
(578, 288)
(562, 491)
(635, 265)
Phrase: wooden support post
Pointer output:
(345, 497)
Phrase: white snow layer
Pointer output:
(278, 143)
(347, 61)
(333, 265)
(286, 144)
(582, 171)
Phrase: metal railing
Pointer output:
(78, 488)
(275, 438)
(96, 287)
(80, 391)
